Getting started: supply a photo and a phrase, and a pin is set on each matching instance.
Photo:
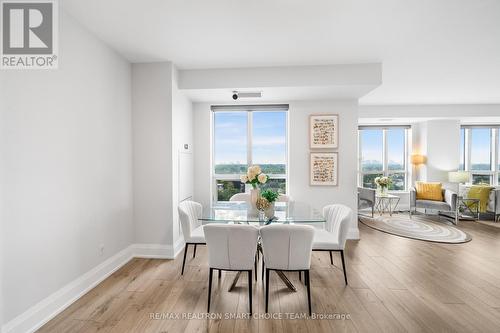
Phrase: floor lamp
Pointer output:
(416, 160)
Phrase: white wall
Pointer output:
(182, 130)
(2, 218)
(298, 180)
(152, 146)
(66, 168)
(202, 140)
(365, 76)
(319, 196)
(468, 112)
(162, 124)
(439, 141)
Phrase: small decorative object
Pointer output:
(262, 205)
(324, 169)
(323, 131)
(382, 184)
(255, 177)
(270, 196)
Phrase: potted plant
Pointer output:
(270, 196)
(254, 177)
(382, 184)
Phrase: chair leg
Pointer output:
(211, 270)
(263, 268)
(255, 265)
(184, 260)
(300, 275)
(194, 252)
(343, 265)
(250, 291)
(306, 273)
(331, 258)
(267, 289)
(220, 273)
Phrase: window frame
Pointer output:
(385, 155)
(250, 110)
(494, 172)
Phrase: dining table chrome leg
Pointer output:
(235, 280)
(286, 281)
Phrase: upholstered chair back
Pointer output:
(287, 246)
(189, 213)
(338, 218)
(231, 246)
(240, 197)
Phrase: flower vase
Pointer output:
(254, 195)
(269, 212)
(382, 190)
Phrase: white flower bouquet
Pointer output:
(383, 181)
(254, 176)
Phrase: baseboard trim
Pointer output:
(39, 314)
(157, 251)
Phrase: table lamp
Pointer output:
(459, 177)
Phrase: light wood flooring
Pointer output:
(395, 285)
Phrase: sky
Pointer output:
(480, 145)
(268, 139)
(372, 145)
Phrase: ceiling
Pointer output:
(433, 51)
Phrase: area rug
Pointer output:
(418, 227)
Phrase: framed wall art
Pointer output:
(324, 169)
(323, 131)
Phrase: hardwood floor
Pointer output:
(395, 285)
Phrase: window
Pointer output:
(480, 153)
(383, 152)
(244, 136)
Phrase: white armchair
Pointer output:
(231, 247)
(287, 248)
(333, 237)
(189, 213)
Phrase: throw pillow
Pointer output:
(429, 191)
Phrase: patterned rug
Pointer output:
(424, 228)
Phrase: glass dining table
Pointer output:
(241, 212)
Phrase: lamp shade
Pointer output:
(458, 176)
(417, 159)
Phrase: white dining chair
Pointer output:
(287, 247)
(284, 198)
(333, 237)
(189, 214)
(231, 247)
(240, 197)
